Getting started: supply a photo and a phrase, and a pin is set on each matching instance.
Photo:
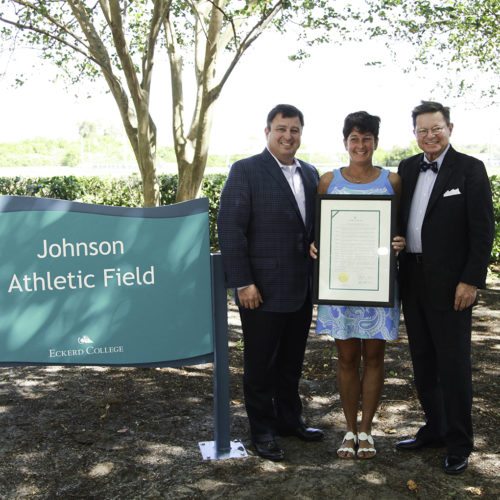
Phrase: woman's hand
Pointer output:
(313, 251)
(398, 244)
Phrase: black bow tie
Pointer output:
(424, 166)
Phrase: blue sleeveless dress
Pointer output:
(361, 322)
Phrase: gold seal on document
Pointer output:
(343, 277)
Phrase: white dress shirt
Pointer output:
(294, 179)
(419, 203)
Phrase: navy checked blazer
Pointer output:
(262, 236)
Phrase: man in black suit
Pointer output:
(447, 219)
(265, 227)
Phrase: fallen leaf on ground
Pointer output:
(105, 414)
(474, 490)
(412, 485)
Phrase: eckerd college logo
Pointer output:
(88, 351)
(85, 340)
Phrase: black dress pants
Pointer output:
(274, 346)
(440, 346)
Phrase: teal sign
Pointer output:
(97, 285)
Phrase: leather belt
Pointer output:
(415, 257)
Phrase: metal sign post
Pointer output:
(222, 447)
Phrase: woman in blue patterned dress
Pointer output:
(360, 332)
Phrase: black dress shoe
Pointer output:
(455, 464)
(303, 432)
(269, 450)
(417, 443)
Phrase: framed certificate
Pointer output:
(355, 264)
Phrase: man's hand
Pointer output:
(465, 296)
(398, 244)
(249, 297)
(313, 251)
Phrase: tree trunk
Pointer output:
(147, 157)
(211, 38)
(150, 185)
(189, 183)
(191, 172)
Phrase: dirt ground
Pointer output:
(127, 433)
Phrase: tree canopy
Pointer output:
(447, 34)
(109, 39)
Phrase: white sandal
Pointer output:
(363, 436)
(345, 449)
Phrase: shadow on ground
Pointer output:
(106, 433)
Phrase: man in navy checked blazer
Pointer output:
(265, 228)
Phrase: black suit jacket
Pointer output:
(262, 236)
(457, 232)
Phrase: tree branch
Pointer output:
(116, 26)
(160, 12)
(103, 60)
(226, 17)
(177, 89)
(196, 13)
(52, 20)
(56, 38)
(251, 36)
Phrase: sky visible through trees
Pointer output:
(334, 81)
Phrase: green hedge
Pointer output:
(127, 192)
(123, 192)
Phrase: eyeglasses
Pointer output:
(422, 132)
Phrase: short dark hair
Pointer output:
(363, 121)
(287, 111)
(430, 107)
